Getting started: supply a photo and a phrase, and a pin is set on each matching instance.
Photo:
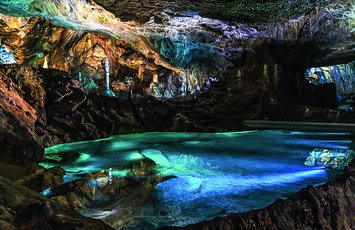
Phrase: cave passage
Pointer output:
(342, 76)
(214, 174)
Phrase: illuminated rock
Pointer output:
(80, 53)
(194, 48)
(170, 90)
(119, 87)
(48, 212)
(335, 159)
(81, 15)
(107, 77)
(6, 57)
(45, 64)
(102, 179)
(343, 76)
(154, 87)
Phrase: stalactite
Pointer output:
(107, 74)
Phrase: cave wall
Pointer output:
(187, 48)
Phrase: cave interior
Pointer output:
(212, 114)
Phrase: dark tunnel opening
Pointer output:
(328, 87)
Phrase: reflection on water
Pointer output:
(214, 174)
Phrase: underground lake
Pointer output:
(151, 180)
(177, 114)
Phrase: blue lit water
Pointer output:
(216, 174)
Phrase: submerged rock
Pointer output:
(335, 159)
(96, 190)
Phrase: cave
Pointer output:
(177, 114)
(335, 84)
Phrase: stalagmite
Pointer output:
(45, 63)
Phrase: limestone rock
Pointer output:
(52, 178)
(23, 208)
(249, 11)
(335, 158)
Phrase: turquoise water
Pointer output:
(216, 174)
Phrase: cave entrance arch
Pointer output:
(332, 86)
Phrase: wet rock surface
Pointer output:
(98, 193)
(22, 208)
(335, 159)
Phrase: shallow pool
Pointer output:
(216, 174)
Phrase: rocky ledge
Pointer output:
(23, 208)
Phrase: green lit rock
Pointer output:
(335, 159)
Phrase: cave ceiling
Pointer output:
(183, 37)
(250, 11)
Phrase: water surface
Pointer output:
(216, 174)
